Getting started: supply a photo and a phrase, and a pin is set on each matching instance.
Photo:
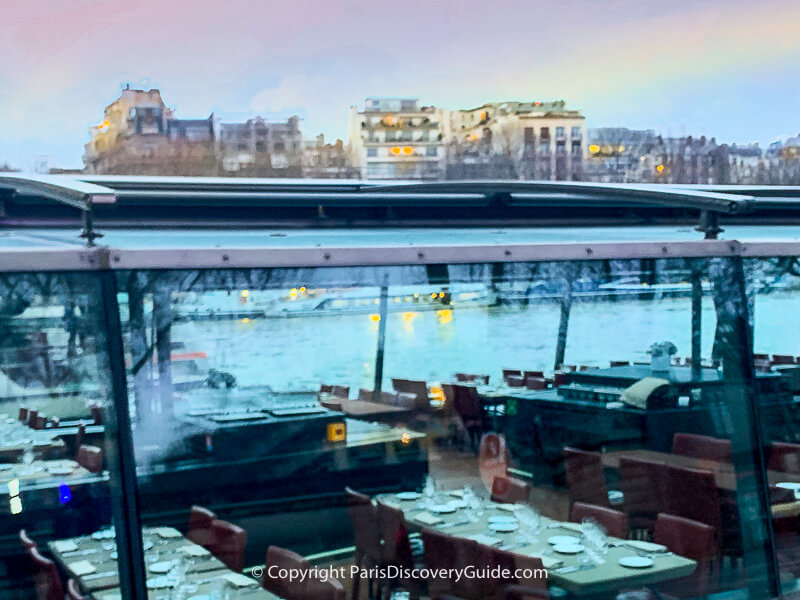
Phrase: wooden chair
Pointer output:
(32, 415)
(694, 540)
(26, 541)
(200, 520)
(510, 490)
(535, 383)
(472, 378)
(341, 391)
(467, 406)
(97, 414)
(783, 359)
(784, 457)
(586, 481)
(702, 446)
(493, 458)
(613, 521)
(228, 544)
(284, 559)
(73, 591)
(511, 373)
(397, 548)
(366, 534)
(45, 575)
(693, 494)
(23, 414)
(90, 458)
(620, 363)
(644, 491)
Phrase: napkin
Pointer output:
(482, 538)
(239, 580)
(456, 493)
(548, 562)
(81, 568)
(576, 527)
(194, 550)
(168, 532)
(506, 507)
(65, 546)
(645, 546)
(427, 518)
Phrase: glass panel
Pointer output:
(55, 445)
(772, 291)
(586, 425)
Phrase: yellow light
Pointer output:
(441, 294)
(445, 316)
(293, 292)
(396, 150)
(245, 320)
(416, 296)
(622, 148)
(245, 293)
(594, 148)
(303, 290)
(397, 299)
(337, 432)
(407, 150)
(408, 316)
(15, 505)
(13, 487)
(437, 394)
(660, 168)
(374, 318)
(376, 301)
(406, 438)
(433, 295)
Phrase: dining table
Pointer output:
(92, 561)
(17, 437)
(587, 572)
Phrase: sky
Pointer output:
(723, 68)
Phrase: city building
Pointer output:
(323, 160)
(139, 135)
(396, 138)
(614, 153)
(517, 140)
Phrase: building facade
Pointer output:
(517, 140)
(323, 160)
(396, 138)
(139, 135)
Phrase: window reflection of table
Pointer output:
(607, 577)
(44, 443)
(362, 409)
(161, 544)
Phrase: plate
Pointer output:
(568, 548)
(502, 519)
(59, 471)
(504, 527)
(562, 540)
(163, 567)
(442, 509)
(155, 583)
(408, 496)
(458, 503)
(636, 562)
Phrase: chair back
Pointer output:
(784, 457)
(23, 414)
(501, 565)
(783, 359)
(341, 391)
(328, 589)
(472, 378)
(394, 532)
(324, 388)
(364, 521)
(40, 422)
(90, 458)
(620, 363)
(511, 373)
(467, 404)
(515, 381)
(26, 541)
(228, 544)
(439, 553)
(200, 520)
(613, 521)
(539, 374)
(694, 540)
(73, 591)
(693, 494)
(702, 446)
(644, 490)
(45, 576)
(282, 558)
(32, 415)
(97, 414)
(510, 490)
(535, 383)
(418, 388)
(536, 586)
(586, 481)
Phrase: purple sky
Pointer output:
(726, 68)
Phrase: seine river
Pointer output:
(301, 353)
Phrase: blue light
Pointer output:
(64, 493)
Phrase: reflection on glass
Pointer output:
(54, 491)
(587, 421)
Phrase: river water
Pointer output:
(300, 353)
